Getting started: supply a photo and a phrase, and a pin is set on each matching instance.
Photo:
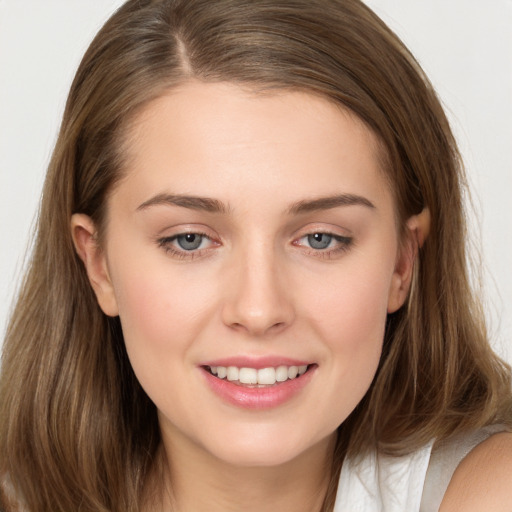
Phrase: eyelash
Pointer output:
(182, 254)
(344, 243)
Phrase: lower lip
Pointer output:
(258, 398)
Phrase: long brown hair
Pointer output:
(77, 432)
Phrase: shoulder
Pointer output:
(483, 480)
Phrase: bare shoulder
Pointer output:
(483, 480)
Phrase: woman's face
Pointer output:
(253, 235)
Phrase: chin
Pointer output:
(252, 459)
(264, 451)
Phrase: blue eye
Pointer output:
(320, 240)
(324, 245)
(189, 241)
(186, 245)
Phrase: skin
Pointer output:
(482, 481)
(255, 286)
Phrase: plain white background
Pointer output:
(464, 45)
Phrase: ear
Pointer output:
(84, 235)
(417, 229)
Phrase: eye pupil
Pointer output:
(189, 241)
(319, 240)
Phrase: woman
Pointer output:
(249, 287)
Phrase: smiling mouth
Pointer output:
(263, 377)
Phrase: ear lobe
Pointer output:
(418, 227)
(83, 232)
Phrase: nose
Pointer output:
(258, 300)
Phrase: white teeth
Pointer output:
(292, 372)
(248, 376)
(282, 373)
(232, 373)
(264, 376)
(267, 376)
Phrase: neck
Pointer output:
(200, 482)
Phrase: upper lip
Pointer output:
(257, 362)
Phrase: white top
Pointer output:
(412, 483)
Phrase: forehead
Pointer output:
(220, 138)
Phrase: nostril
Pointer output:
(256, 313)
(258, 329)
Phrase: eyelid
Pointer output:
(166, 242)
(324, 228)
(344, 241)
(339, 238)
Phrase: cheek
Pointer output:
(357, 327)
(161, 313)
(350, 317)
(352, 306)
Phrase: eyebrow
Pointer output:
(210, 205)
(326, 203)
(205, 204)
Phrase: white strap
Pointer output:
(380, 483)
